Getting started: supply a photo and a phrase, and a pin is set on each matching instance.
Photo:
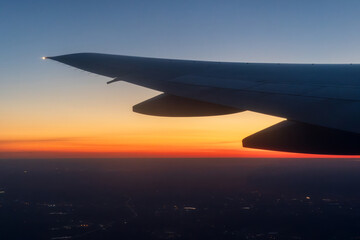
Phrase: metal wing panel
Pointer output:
(317, 110)
(337, 92)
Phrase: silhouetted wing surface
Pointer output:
(326, 95)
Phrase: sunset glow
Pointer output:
(71, 126)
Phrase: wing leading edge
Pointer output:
(322, 95)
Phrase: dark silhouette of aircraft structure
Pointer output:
(321, 102)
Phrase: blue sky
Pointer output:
(296, 31)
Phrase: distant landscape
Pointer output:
(180, 199)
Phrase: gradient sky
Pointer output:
(50, 110)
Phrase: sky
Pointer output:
(49, 110)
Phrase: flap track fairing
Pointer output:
(173, 106)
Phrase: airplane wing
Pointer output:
(321, 102)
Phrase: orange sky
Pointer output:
(81, 116)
